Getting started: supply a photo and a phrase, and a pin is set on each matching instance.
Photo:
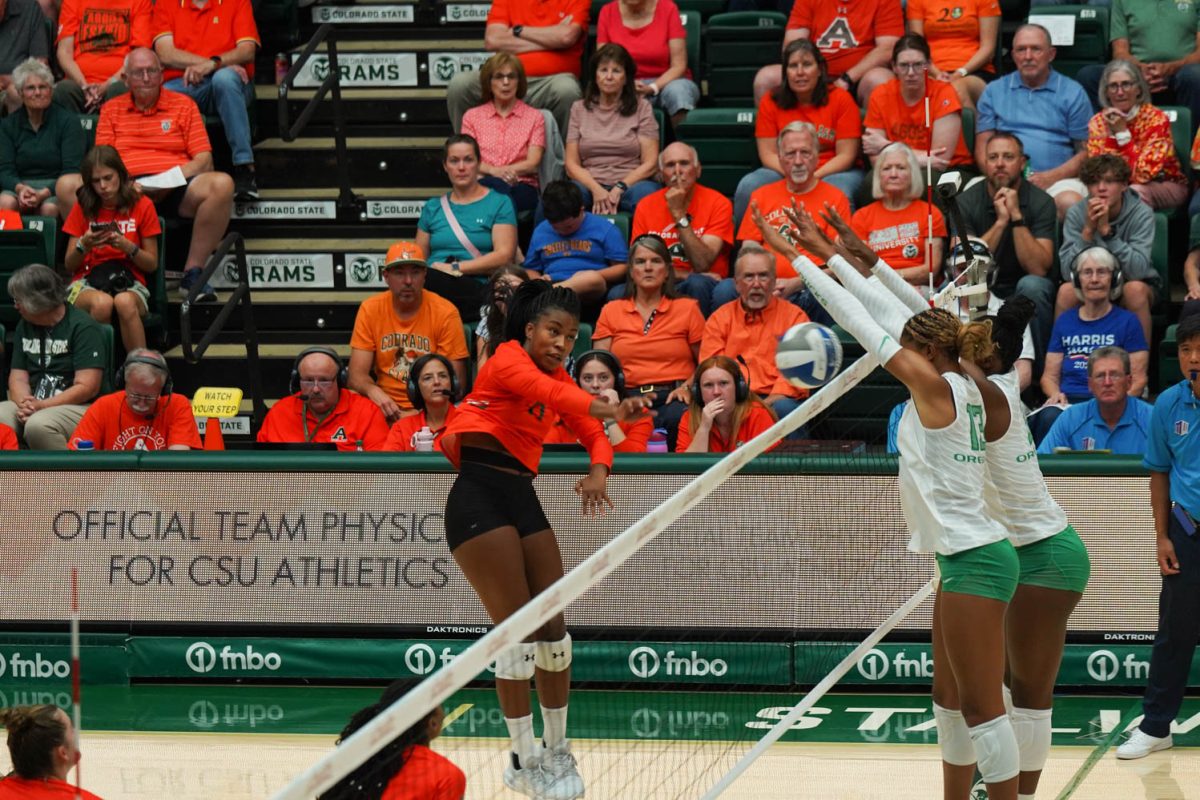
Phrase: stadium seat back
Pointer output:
(737, 44)
(1181, 135)
(1091, 37)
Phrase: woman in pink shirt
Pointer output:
(652, 32)
(511, 133)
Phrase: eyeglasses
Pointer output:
(144, 399)
(316, 383)
(916, 66)
(145, 74)
(505, 76)
(1122, 86)
(35, 88)
(1109, 377)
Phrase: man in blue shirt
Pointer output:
(574, 247)
(1173, 458)
(1111, 420)
(1049, 111)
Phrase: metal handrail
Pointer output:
(327, 34)
(240, 296)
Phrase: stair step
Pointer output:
(236, 351)
(371, 160)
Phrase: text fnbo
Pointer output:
(203, 657)
(35, 666)
(644, 662)
(875, 665)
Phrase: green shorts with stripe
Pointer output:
(1056, 562)
(987, 571)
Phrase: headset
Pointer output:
(414, 373)
(1114, 290)
(343, 375)
(741, 387)
(151, 359)
(609, 360)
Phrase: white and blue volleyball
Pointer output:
(809, 355)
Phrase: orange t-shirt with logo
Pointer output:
(396, 343)
(658, 352)
(952, 28)
(210, 31)
(757, 420)
(105, 32)
(774, 198)
(111, 425)
(354, 419)
(754, 337)
(846, 31)
(545, 13)
(898, 236)
(887, 111)
(711, 214)
(839, 118)
(400, 437)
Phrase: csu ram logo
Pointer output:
(444, 68)
(320, 69)
(363, 270)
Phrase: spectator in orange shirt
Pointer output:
(94, 38)
(896, 225)
(399, 325)
(8, 438)
(599, 373)
(208, 47)
(156, 130)
(750, 328)
(724, 414)
(963, 38)
(142, 414)
(43, 748)
(432, 388)
(320, 408)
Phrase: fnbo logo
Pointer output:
(873, 665)
(201, 657)
(1103, 665)
(643, 662)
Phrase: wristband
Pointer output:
(133, 253)
(654, 89)
(961, 72)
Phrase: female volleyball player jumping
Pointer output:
(942, 470)
(495, 525)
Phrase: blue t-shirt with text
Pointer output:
(595, 245)
(1076, 339)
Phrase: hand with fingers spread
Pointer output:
(807, 234)
(772, 237)
(849, 243)
(593, 490)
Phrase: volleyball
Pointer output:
(809, 355)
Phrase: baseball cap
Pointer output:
(404, 252)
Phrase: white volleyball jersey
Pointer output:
(942, 476)
(1016, 493)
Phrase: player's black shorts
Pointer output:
(484, 498)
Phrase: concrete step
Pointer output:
(372, 160)
(421, 111)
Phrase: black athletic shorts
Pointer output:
(484, 498)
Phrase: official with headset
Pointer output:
(723, 414)
(142, 414)
(432, 386)
(319, 408)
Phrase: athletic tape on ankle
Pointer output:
(516, 663)
(553, 656)
(1031, 726)
(954, 738)
(996, 750)
(846, 310)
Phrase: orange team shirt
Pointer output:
(544, 13)
(658, 352)
(899, 236)
(952, 28)
(397, 343)
(17, 788)
(136, 225)
(518, 404)
(112, 425)
(773, 198)
(757, 421)
(637, 435)
(105, 31)
(11, 220)
(210, 31)
(354, 419)
(846, 31)
(169, 134)
(754, 335)
(840, 118)
(426, 775)
(8, 438)
(711, 215)
(400, 437)
(887, 111)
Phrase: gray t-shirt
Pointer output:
(22, 35)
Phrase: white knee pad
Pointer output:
(996, 748)
(1031, 726)
(516, 663)
(953, 737)
(554, 656)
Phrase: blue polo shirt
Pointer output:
(597, 244)
(1080, 427)
(1048, 119)
(1174, 444)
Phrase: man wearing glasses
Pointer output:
(321, 409)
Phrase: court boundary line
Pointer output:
(1093, 759)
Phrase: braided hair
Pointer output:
(531, 301)
(33, 734)
(946, 332)
(1008, 329)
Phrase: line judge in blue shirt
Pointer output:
(1173, 458)
(1111, 420)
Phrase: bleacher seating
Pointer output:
(1091, 37)
(737, 44)
(724, 139)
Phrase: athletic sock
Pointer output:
(554, 726)
(520, 730)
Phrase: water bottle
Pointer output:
(85, 445)
(423, 441)
(658, 441)
(282, 64)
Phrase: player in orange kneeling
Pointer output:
(599, 373)
(724, 413)
(41, 743)
(495, 525)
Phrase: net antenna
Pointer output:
(76, 693)
(474, 660)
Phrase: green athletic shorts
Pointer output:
(1058, 562)
(987, 571)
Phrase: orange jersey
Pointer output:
(839, 118)
(8, 438)
(754, 335)
(773, 198)
(518, 404)
(711, 214)
(952, 28)
(656, 352)
(17, 788)
(426, 775)
(105, 31)
(887, 111)
(548, 13)
(846, 31)
(401, 437)
(10, 220)
(899, 236)
(637, 435)
(756, 421)
(354, 419)
(110, 424)
(169, 134)
(210, 31)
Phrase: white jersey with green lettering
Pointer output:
(942, 476)
(1016, 493)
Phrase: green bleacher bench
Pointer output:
(583, 341)
(33, 245)
(1169, 372)
(737, 44)
(691, 29)
(1091, 37)
(724, 140)
(1159, 256)
(156, 316)
(622, 221)
(88, 123)
(1181, 134)
(968, 128)
(705, 8)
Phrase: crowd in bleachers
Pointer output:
(580, 171)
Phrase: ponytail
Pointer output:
(533, 299)
(1008, 329)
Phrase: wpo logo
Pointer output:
(1103, 665)
(873, 665)
(201, 657)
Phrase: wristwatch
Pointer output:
(454, 270)
(1018, 223)
(517, 30)
(79, 245)
(961, 72)
(622, 185)
(216, 61)
(684, 222)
